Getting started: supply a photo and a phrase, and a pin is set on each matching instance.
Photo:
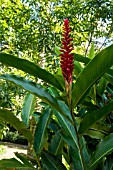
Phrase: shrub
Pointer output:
(14, 137)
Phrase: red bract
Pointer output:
(66, 56)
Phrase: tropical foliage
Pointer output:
(74, 129)
(91, 106)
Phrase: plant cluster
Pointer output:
(77, 110)
(32, 29)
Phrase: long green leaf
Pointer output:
(102, 85)
(104, 148)
(70, 138)
(30, 86)
(92, 117)
(67, 127)
(101, 127)
(51, 162)
(40, 136)
(80, 58)
(6, 115)
(13, 163)
(85, 153)
(30, 68)
(91, 73)
(94, 134)
(109, 78)
(56, 145)
(28, 107)
(24, 160)
(77, 68)
(76, 161)
(75, 152)
(38, 91)
(109, 89)
(91, 51)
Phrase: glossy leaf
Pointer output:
(91, 51)
(57, 50)
(38, 91)
(54, 126)
(77, 68)
(92, 93)
(13, 163)
(105, 147)
(109, 78)
(60, 79)
(51, 162)
(40, 136)
(85, 153)
(30, 68)
(91, 73)
(92, 117)
(65, 109)
(28, 108)
(74, 152)
(70, 142)
(102, 85)
(67, 127)
(101, 127)
(56, 145)
(94, 134)
(29, 86)
(7, 116)
(109, 90)
(24, 160)
(70, 135)
(76, 161)
(80, 58)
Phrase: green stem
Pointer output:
(78, 138)
(68, 93)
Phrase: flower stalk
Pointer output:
(67, 67)
(66, 61)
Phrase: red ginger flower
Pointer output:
(66, 56)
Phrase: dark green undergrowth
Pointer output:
(14, 137)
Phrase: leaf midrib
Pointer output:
(90, 86)
(100, 157)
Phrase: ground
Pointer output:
(11, 148)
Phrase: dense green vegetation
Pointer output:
(66, 129)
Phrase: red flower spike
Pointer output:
(67, 58)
